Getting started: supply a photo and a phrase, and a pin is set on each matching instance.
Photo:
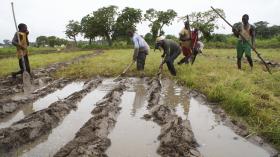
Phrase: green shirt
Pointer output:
(169, 48)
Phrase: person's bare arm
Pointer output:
(253, 36)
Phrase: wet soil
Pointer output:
(12, 103)
(61, 135)
(41, 76)
(41, 103)
(135, 117)
(41, 122)
(214, 129)
(132, 132)
(176, 137)
(11, 90)
(92, 140)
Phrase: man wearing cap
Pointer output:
(171, 50)
(141, 49)
(243, 44)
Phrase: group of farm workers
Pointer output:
(189, 45)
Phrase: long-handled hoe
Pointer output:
(124, 71)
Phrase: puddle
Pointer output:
(59, 94)
(216, 139)
(133, 136)
(62, 134)
(173, 95)
(42, 103)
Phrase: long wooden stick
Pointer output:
(258, 54)
(125, 70)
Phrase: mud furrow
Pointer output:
(8, 86)
(10, 105)
(176, 137)
(41, 122)
(92, 140)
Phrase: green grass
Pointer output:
(267, 54)
(8, 65)
(11, 51)
(252, 97)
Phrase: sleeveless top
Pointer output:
(185, 33)
(23, 42)
(245, 32)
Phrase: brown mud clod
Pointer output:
(176, 137)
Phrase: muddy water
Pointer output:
(59, 94)
(67, 129)
(216, 139)
(133, 136)
(42, 103)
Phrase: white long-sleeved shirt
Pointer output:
(139, 42)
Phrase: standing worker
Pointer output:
(185, 43)
(141, 49)
(243, 44)
(171, 50)
(21, 48)
(193, 50)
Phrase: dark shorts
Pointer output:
(141, 58)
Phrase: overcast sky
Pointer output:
(49, 17)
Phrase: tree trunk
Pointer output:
(90, 40)
(75, 40)
(109, 40)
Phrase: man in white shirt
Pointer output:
(141, 49)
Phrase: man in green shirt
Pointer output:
(171, 50)
(243, 44)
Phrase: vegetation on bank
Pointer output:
(11, 51)
(10, 64)
(252, 97)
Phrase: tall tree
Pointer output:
(73, 28)
(41, 41)
(104, 21)
(262, 30)
(274, 31)
(88, 28)
(206, 21)
(52, 40)
(159, 19)
(149, 39)
(7, 42)
(127, 19)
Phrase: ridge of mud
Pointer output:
(41, 122)
(10, 86)
(92, 138)
(176, 137)
(10, 105)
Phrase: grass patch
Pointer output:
(253, 97)
(11, 51)
(10, 64)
